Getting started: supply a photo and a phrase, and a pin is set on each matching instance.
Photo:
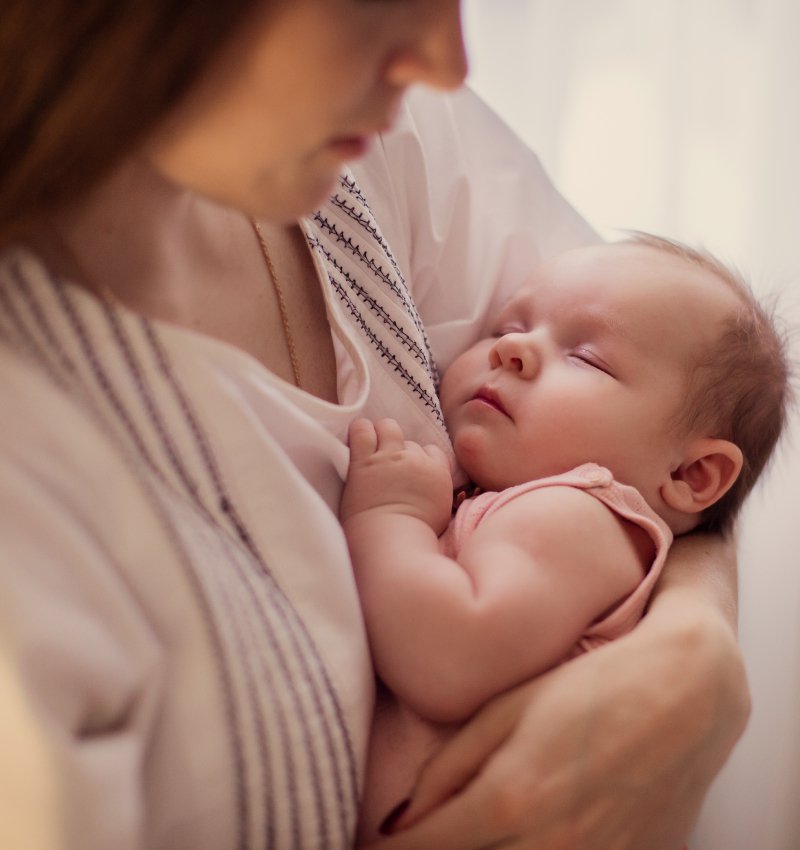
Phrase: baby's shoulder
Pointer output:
(570, 525)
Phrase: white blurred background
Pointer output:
(683, 117)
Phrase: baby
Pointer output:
(629, 393)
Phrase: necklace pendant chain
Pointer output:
(282, 308)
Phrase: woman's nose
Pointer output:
(516, 352)
(435, 54)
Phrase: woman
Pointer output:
(181, 355)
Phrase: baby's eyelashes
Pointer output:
(591, 358)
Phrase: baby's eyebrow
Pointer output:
(518, 304)
(586, 318)
(609, 322)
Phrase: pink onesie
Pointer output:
(620, 498)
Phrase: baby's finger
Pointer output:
(437, 454)
(390, 435)
(411, 446)
(362, 438)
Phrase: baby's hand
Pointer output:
(389, 473)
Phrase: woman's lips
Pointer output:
(350, 147)
(355, 144)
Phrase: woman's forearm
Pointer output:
(703, 566)
(616, 747)
(695, 609)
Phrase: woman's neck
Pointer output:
(174, 256)
(133, 238)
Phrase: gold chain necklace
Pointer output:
(282, 309)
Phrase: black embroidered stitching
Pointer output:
(366, 222)
(387, 355)
(402, 336)
(352, 187)
(400, 289)
(355, 249)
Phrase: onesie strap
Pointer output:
(625, 501)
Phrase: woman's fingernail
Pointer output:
(390, 821)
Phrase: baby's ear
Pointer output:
(708, 471)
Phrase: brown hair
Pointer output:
(740, 389)
(82, 82)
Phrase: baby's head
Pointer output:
(738, 389)
(644, 356)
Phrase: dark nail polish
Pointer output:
(387, 827)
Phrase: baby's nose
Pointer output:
(517, 353)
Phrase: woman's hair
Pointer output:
(740, 387)
(83, 82)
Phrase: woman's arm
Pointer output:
(82, 677)
(616, 748)
(31, 812)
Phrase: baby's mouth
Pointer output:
(488, 396)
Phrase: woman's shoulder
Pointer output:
(55, 456)
(53, 438)
(39, 409)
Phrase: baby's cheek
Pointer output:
(475, 456)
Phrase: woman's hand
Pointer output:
(614, 749)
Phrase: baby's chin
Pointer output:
(488, 480)
(482, 461)
(460, 478)
(499, 477)
(476, 460)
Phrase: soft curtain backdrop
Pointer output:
(683, 117)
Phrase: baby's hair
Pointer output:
(740, 388)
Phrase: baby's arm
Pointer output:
(446, 635)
